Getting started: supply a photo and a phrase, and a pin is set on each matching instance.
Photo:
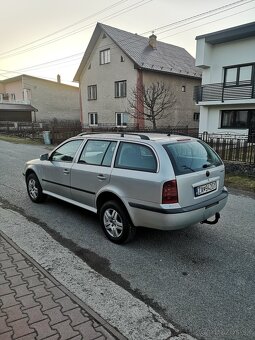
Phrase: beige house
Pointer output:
(27, 98)
(116, 62)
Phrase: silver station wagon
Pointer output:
(157, 181)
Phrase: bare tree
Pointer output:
(151, 102)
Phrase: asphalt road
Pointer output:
(201, 279)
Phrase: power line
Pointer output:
(196, 17)
(66, 27)
(125, 10)
(207, 16)
(240, 2)
(199, 17)
(207, 23)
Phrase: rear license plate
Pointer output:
(205, 188)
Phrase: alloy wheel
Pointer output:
(113, 223)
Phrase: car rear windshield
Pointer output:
(191, 156)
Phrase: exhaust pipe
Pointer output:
(217, 217)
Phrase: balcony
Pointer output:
(220, 93)
(7, 98)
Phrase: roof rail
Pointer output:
(135, 134)
(122, 134)
(88, 133)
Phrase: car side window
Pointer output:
(98, 152)
(136, 157)
(66, 152)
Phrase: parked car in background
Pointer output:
(157, 181)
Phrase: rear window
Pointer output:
(191, 156)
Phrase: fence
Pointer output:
(23, 129)
(236, 149)
(59, 130)
(230, 148)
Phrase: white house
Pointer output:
(116, 62)
(227, 97)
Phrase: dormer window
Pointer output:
(105, 57)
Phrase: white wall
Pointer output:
(213, 59)
(222, 55)
(210, 120)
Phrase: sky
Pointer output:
(43, 38)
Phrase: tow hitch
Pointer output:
(217, 217)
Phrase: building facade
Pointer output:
(27, 98)
(117, 62)
(226, 97)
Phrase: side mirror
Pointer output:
(44, 157)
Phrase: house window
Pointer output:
(92, 92)
(120, 89)
(196, 116)
(183, 88)
(122, 59)
(238, 75)
(105, 57)
(121, 118)
(237, 119)
(6, 96)
(93, 118)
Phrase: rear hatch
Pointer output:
(199, 170)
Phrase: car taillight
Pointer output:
(170, 192)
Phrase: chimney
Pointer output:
(153, 41)
(58, 78)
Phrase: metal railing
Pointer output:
(222, 92)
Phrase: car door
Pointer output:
(92, 171)
(56, 171)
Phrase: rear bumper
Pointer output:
(176, 218)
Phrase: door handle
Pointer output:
(101, 177)
(66, 171)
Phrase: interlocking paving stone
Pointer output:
(56, 315)
(43, 329)
(16, 280)
(14, 313)
(8, 301)
(20, 328)
(3, 325)
(6, 336)
(65, 330)
(34, 305)
(35, 314)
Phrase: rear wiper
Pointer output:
(206, 165)
(188, 168)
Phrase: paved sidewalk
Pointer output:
(33, 305)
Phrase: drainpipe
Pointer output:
(139, 104)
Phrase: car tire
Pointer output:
(116, 223)
(34, 189)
